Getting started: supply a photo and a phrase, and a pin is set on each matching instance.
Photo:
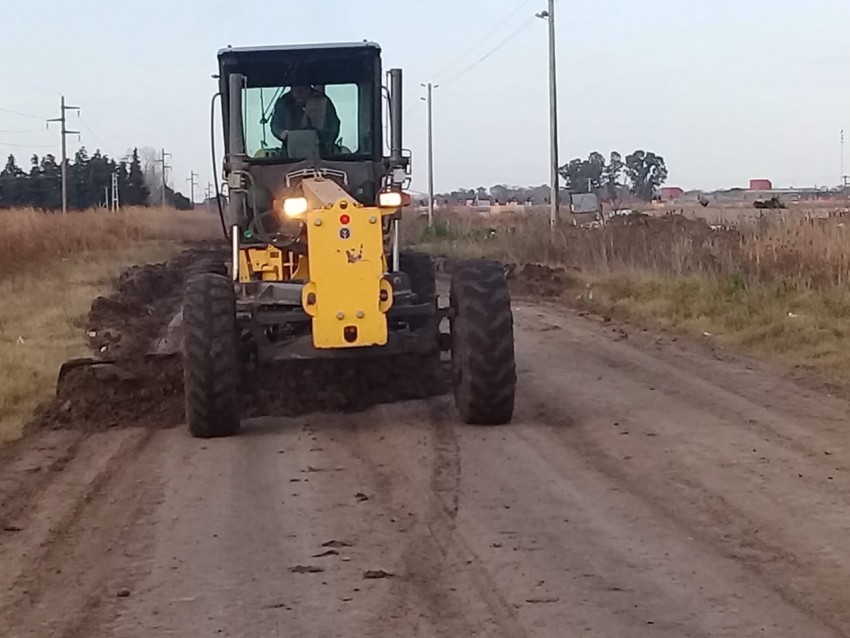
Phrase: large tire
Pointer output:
(419, 267)
(210, 356)
(206, 265)
(483, 366)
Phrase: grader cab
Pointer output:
(312, 218)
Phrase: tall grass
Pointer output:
(803, 252)
(28, 237)
(775, 287)
(51, 267)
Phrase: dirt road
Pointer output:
(645, 489)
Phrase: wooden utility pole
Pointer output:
(555, 198)
(429, 103)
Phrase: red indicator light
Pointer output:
(344, 219)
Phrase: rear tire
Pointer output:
(206, 265)
(419, 267)
(210, 356)
(483, 365)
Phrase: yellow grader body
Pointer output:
(316, 269)
(345, 293)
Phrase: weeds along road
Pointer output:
(645, 489)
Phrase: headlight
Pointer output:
(390, 199)
(295, 206)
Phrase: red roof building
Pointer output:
(671, 192)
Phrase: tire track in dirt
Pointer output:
(689, 491)
(80, 529)
(441, 569)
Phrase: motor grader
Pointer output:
(312, 216)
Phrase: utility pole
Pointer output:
(65, 132)
(193, 181)
(554, 214)
(164, 166)
(428, 101)
(116, 204)
(843, 180)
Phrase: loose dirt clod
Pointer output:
(374, 574)
(335, 543)
(306, 569)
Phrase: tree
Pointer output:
(12, 184)
(177, 200)
(646, 172)
(135, 191)
(612, 178)
(89, 181)
(584, 176)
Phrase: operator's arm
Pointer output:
(280, 119)
(332, 124)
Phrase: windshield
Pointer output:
(300, 122)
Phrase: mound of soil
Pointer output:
(540, 281)
(535, 280)
(125, 384)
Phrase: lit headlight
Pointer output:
(295, 206)
(390, 199)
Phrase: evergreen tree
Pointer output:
(89, 180)
(12, 184)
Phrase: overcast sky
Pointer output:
(725, 90)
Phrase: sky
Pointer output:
(724, 90)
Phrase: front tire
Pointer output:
(210, 356)
(483, 364)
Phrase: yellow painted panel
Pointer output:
(346, 271)
(268, 262)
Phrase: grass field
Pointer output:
(776, 288)
(51, 268)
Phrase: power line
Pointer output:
(94, 135)
(30, 85)
(31, 130)
(522, 5)
(492, 51)
(11, 112)
(27, 145)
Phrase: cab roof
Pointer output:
(295, 48)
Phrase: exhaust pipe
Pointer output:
(234, 256)
(396, 116)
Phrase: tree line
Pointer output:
(639, 174)
(89, 179)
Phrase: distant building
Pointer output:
(669, 193)
(761, 185)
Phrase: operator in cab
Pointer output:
(307, 108)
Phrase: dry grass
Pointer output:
(777, 287)
(29, 236)
(51, 267)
